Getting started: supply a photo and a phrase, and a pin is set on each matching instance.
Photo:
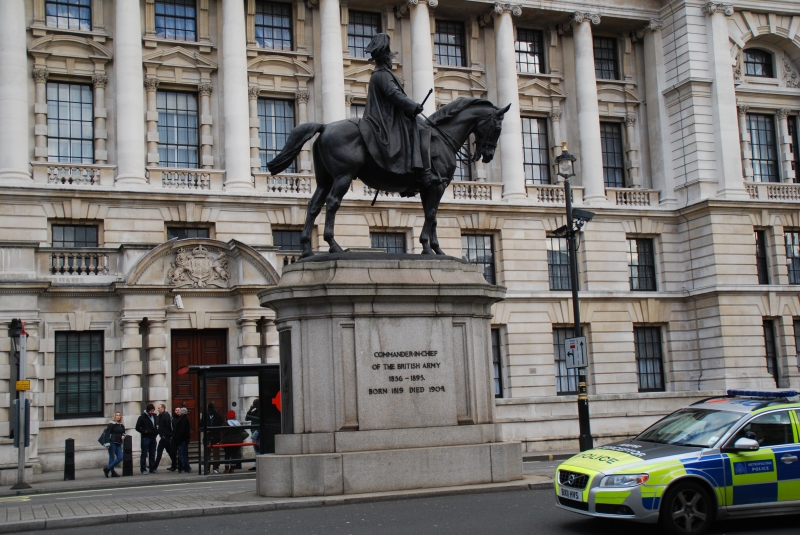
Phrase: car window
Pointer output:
(771, 429)
(691, 427)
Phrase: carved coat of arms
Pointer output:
(199, 269)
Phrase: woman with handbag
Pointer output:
(114, 436)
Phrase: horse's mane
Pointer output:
(451, 109)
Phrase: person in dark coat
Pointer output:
(253, 417)
(115, 435)
(182, 434)
(394, 138)
(164, 430)
(174, 445)
(146, 426)
(234, 435)
(214, 436)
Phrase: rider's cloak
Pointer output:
(387, 126)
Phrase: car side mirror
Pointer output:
(745, 444)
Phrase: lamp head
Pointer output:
(565, 162)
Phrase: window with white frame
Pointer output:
(175, 19)
(70, 123)
(178, 140)
(535, 150)
(529, 47)
(449, 45)
(273, 25)
(68, 14)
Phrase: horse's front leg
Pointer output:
(338, 190)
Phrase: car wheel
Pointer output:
(687, 508)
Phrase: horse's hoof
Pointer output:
(439, 251)
(306, 254)
(335, 249)
(428, 252)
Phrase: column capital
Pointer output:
(630, 120)
(782, 113)
(718, 7)
(204, 89)
(348, 99)
(651, 26)
(555, 115)
(311, 4)
(578, 17)
(742, 109)
(40, 75)
(487, 19)
(253, 92)
(403, 10)
(302, 97)
(151, 84)
(100, 80)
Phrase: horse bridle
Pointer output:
(480, 145)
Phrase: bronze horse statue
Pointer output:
(340, 156)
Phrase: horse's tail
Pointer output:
(294, 144)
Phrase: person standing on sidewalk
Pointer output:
(146, 427)
(182, 434)
(164, 430)
(115, 435)
(253, 417)
(174, 441)
(215, 435)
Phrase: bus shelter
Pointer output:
(269, 395)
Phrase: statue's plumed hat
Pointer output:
(379, 46)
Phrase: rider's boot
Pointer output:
(425, 175)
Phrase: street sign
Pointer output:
(23, 385)
(576, 352)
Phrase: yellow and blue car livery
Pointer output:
(697, 446)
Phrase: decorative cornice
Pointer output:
(718, 7)
(253, 92)
(151, 84)
(204, 89)
(302, 96)
(578, 17)
(100, 80)
(782, 113)
(40, 75)
(651, 26)
(741, 109)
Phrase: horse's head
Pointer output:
(487, 132)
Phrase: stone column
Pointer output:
(422, 53)
(785, 141)
(14, 156)
(657, 115)
(331, 66)
(723, 103)
(255, 143)
(151, 84)
(744, 141)
(236, 111)
(632, 150)
(131, 370)
(40, 115)
(206, 139)
(128, 93)
(100, 81)
(512, 160)
(157, 363)
(301, 97)
(272, 350)
(591, 156)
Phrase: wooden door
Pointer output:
(190, 348)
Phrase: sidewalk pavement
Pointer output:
(16, 515)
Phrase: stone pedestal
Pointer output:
(386, 377)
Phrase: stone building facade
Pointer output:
(133, 142)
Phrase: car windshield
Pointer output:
(691, 427)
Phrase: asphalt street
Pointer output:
(508, 513)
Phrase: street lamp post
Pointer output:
(19, 341)
(576, 219)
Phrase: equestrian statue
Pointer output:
(391, 149)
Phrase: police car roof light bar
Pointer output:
(762, 393)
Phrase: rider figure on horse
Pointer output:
(395, 139)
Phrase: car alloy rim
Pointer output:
(689, 510)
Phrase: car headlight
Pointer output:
(624, 480)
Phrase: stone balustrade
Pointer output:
(186, 179)
(286, 184)
(553, 194)
(773, 191)
(72, 174)
(632, 197)
(78, 262)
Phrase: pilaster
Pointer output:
(255, 143)
(632, 153)
(744, 142)
(40, 114)
(151, 86)
(785, 141)
(99, 82)
(206, 138)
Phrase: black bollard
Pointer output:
(69, 460)
(127, 456)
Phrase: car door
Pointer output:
(752, 477)
(787, 461)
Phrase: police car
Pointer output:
(724, 457)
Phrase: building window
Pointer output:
(535, 151)
(69, 14)
(797, 341)
(361, 28)
(275, 122)
(357, 111)
(497, 364)
(758, 63)
(530, 51)
(477, 249)
(613, 159)
(605, 58)
(763, 146)
(175, 19)
(393, 242)
(274, 25)
(649, 362)
(286, 240)
(79, 374)
(762, 266)
(177, 129)
(642, 264)
(463, 172)
(448, 43)
(794, 147)
(566, 379)
(70, 123)
(185, 233)
(558, 264)
(793, 256)
(74, 236)
(772, 350)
